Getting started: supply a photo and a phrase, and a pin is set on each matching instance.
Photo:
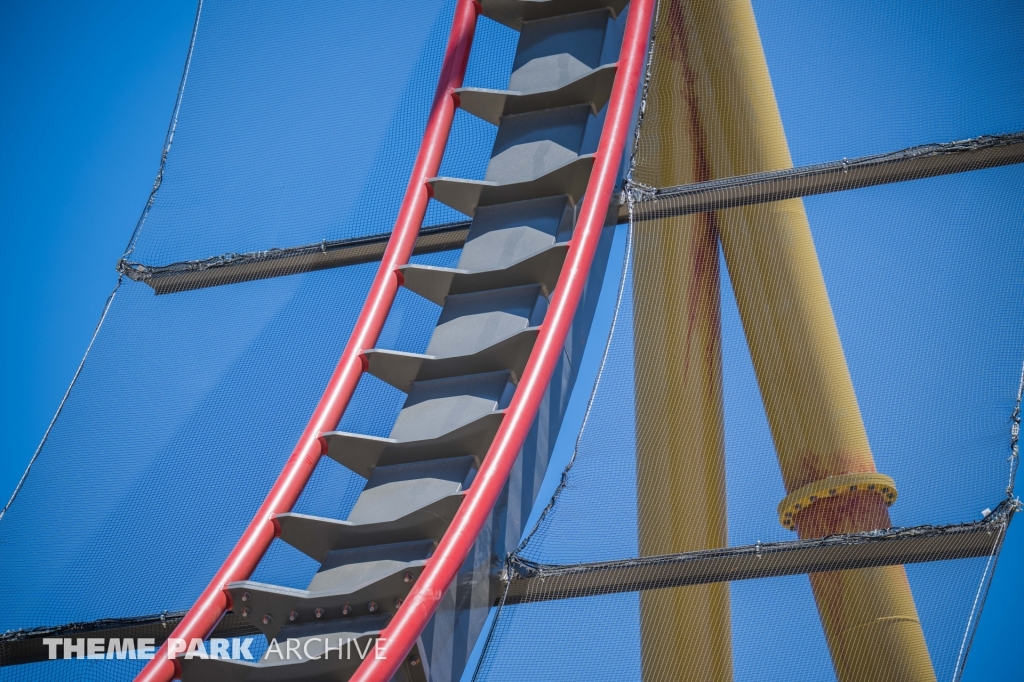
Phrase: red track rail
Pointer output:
(440, 571)
(204, 615)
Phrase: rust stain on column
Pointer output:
(685, 632)
(868, 615)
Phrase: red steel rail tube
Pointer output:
(207, 611)
(399, 637)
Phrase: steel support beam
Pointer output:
(925, 161)
(26, 646)
(244, 267)
(529, 582)
(533, 582)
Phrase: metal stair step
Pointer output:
(593, 88)
(505, 234)
(555, 51)
(334, 592)
(472, 322)
(530, 145)
(435, 284)
(401, 489)
(465, 196)
(560, 61)
(513, 13)
(441, 418)
(401, 370)
(538, 154)
(315, 536)
(362, 454)
(514, 243)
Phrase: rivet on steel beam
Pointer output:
(346, 610)
(372, 607)
(293, 616)
(398, 603)
(407, 577)
(319, 613)
(246, 611)
(245, 596)
(415, 660)
(267, 619)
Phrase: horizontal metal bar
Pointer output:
(532, 582)
(233, 267)
(914, 163)
(540, 582)
(26, 646)
(925, 161)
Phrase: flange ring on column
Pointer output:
(831, 486)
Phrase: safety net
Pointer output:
(819, 330)
(937, 385)
(296, 124)
(732, 407)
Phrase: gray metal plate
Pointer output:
(315, 536)
(278, 603)
(471, 322)
(505, 234)
(402, 369)
(593, 88)
(513, 13)
(362, 454)
(436, 284)
(466, 196)
(401, 489)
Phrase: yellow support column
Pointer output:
(869, 617)
(685, 632)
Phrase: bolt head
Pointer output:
(245, 596)
(246, 611)
(398, 603)
(346, 610)
(267, 619)
(293, 616)
(372, 607)
(319, 613)
(414, 661)
(407, 577)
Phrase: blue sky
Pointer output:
(88, 94)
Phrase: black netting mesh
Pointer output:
(294, 127)
(297, 126)
(678, 452)
(937, 385)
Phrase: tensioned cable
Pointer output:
(168, 139)
(131, 246)
(63, 400)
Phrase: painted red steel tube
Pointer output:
(207, 611)
(401, 634)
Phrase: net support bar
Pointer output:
(230, 268)
(532, 582)
(525, 581)
(27, 646)
(987, 151)
(925, 161)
